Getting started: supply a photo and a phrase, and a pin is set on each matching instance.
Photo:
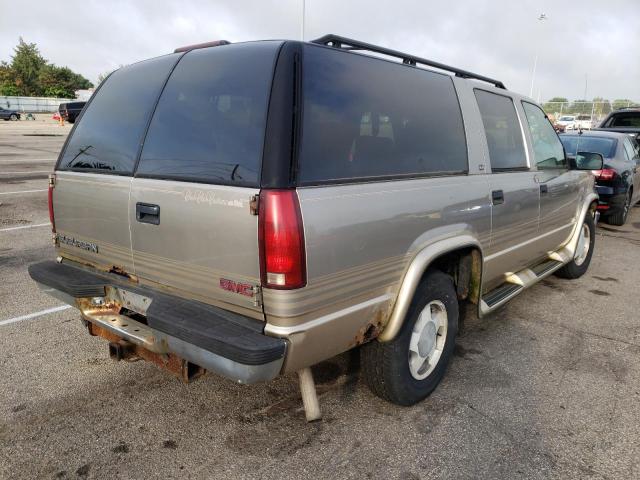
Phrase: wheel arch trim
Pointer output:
(414, 273)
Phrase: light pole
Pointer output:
(541, 18)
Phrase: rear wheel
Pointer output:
(409, 367)
(584, 250)
(620, 217)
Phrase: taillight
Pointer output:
(605, 174)
(281, 239)
(50, 201)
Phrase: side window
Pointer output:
(547, 148)
(504, 136)
(630, 151)
(210, 121)
(108, 138)
(365, 117)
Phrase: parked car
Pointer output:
(626, 120)
(583, 122)
(70, 111)
(7, 114)
(256, 208)
(567, 121)
(618, 183)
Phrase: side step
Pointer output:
(517, 282)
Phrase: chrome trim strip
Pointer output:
(277, 331)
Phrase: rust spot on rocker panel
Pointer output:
(369, 331)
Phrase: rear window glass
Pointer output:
(210, 121)
(504, 136)
(625, 120)
(583, 143)
(364, 117)
(108, 138)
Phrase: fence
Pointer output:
(596, 110)
(32, 104)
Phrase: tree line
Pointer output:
(600, 106)
(29, 74)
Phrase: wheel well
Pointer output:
(465, 267)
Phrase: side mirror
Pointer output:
(589, 161)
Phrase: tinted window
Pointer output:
(365, 117)
(628, 147)
(109, 136)
(210, 121)
(581, 143)
(625, 120)
(547, 148)
(502, 128)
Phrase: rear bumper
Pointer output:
(213, 338)
(610, 199)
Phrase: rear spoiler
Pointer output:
(215, 43)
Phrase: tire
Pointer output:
(389, 368)
(13, 117)
(580, 263)
(620, 217)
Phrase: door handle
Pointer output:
(497, 197)
(148, 213)
(543, 189)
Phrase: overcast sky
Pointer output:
(497, 38)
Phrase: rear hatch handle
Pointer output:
(148, 213)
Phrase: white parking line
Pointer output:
(34, 315)
(24, 226)
(22, 191)
(27, 171)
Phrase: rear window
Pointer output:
(625, 120)
(504, 136)
(365, 118)
(108, 138)
(583, 143)
(210, 121)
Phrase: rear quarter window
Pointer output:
(209, 124)
(367, 118)
(109, 136)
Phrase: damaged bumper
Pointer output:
(167, 330)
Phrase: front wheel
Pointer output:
(13, 117)
(584, 250)
(408, 368)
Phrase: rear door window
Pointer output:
(504, 135)
(109, 136)
(209, 125)
(547, 148)
(366, 118)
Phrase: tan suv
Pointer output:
(253, 209)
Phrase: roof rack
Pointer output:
(344, 43)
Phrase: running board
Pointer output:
(521, 280)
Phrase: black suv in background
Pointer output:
(625, 120)
(70, 111)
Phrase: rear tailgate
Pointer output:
(192, 226)
(93, 176)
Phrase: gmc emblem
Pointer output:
(236, 287)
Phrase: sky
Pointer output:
(581, 41)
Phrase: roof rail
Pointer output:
(215, 43)
(344, 43)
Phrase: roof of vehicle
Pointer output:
(595, 133)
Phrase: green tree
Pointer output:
(26, 64)
(622, 103)
(61, 81)
(601, 107)
(553, 105)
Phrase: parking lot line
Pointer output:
(25, 172)
(23, 191)
(34, 315)
(23, 227)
